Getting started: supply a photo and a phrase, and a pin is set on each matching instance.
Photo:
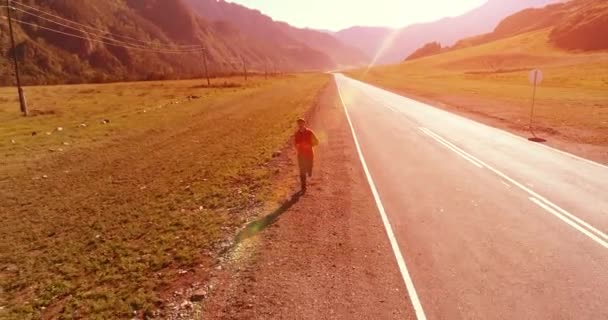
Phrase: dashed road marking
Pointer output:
(452, 147)
(572, 220)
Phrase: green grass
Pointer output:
(100, 229)
(131, 108)
(492, 80)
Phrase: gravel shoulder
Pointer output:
(324, 255)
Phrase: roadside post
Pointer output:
(244, 67)
(206, 68)
(22, 101)
(536, 78)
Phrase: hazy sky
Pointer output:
(339, 14)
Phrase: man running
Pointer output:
(305, 141)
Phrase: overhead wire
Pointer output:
(94, 28)
(198, 50)
(80, 30)
(110, 41)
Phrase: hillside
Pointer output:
(394, 46)
(429, 49)
(576, 25)
(137, 40)
(277, 34)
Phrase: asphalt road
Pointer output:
(483, 224)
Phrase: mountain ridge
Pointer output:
(278, 33)
(394, 46)
(367, 39)
(127, 40)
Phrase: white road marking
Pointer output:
(577, 219)
(570, 222)
(597, 234)
(409, 284)
(362, 86)
(506, 184)
(392, 109)
(447, 145)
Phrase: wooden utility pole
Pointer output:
(536, 78)
(266, 69)
(22, 101)
(244, 68)
(206, 68)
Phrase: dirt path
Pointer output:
(322, 256)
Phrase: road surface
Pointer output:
(483, 224)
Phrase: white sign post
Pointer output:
(536, 78)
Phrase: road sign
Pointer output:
(535, 77)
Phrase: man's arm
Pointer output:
(315, 140)
(296, 143)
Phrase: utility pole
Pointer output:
(206, 69)
(244, 68)
(22, 101)
(265, 69)
(536, 78)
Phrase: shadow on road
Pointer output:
(537, 139)
(257, 226)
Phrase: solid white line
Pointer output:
(570, 222)
(528, 190)
(409, 284)
(487, 126)
(464, 156)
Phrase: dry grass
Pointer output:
(100, 229)
(491, 80)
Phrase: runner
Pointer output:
(305, 140)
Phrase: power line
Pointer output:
(99, 35)
(94, 28)
(80, 30)
(108, 43)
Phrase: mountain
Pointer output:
(583, 26)
(366, 39)
(429, 49)
(62, 41)
(580, 25)
(445, 31)
(270, 33)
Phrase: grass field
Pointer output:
(491, 81)
(98, 220)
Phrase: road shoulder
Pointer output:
(324, 255)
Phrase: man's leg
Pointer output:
(310, 165)
(303, 182)
(303, 169)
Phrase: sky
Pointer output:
(340, 14)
